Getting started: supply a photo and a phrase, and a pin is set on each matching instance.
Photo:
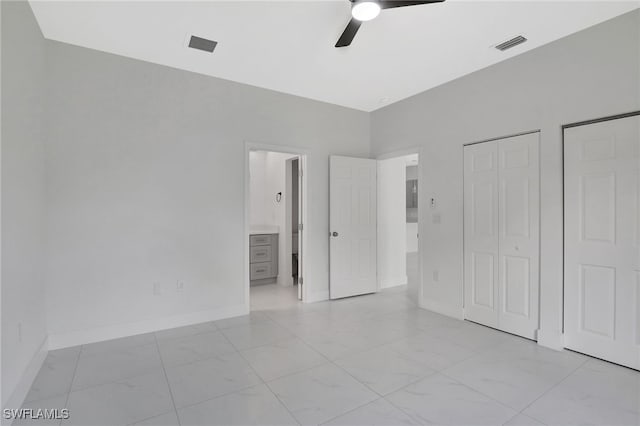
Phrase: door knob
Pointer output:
(334, 234)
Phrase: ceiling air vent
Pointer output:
(511, 43)
(202, 44)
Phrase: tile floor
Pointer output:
(370, 360)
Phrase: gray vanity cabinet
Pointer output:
(263, 258)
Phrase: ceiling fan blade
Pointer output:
(349, 33)
(390, 4)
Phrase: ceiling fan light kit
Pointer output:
(366, 10)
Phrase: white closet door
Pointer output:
(602, 239)
(501, 234)
(353, 226)
(481, 233)
(519, 200)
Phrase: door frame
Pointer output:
(421, 199)
(303, 153)
(539, 132)
(563, 128)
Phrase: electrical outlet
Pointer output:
(157, 290)
(436, 276)
(20, 332)
(179, 286)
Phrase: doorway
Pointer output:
(274, 199)
(398, 204)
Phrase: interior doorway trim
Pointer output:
(402, 153)
(303, 153)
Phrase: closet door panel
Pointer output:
(519, 202)
(481, 233)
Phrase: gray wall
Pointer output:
(22, 191)
(590, 74)
(145, 181)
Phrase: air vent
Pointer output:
(202, 44)
(511, 43)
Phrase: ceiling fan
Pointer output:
(366, 10)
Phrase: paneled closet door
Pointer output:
(519, 200)
(481, 240)
(501, 234)
(602, 240)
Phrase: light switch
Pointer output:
(433, 203)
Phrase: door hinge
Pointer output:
(300, 281)
(300, 227)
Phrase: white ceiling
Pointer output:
(288, 45)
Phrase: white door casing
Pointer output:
(352, 226)
(602, 240)
(501, 233)
(301, 229)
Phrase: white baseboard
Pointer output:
(17, 397)
(456, 312)
(393, 282)
(82, 337)
(551, 339)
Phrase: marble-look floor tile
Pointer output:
(597, 393)
(282, 358)
(255, 317)
(184, 350)
(515, 373)
(376, 413)
(120, 403)
(254, 335)
(384, 370)
(174, 333)
(320, 394)
(377, 344)
(473, 336)
(522, 420)
(441, 400)
(253, 406)
(117, 344)
(166, 419)
(55, 375)
(109, 366)
(209, 378)
(432, 351)
(55, 403)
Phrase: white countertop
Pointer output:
(264, 229)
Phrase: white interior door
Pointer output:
(481, 242)
(602, 237)
(519, 234)
(352, 226)
(501, 234)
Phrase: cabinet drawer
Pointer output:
(260, 240)
(260, 271)
(260, 254)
